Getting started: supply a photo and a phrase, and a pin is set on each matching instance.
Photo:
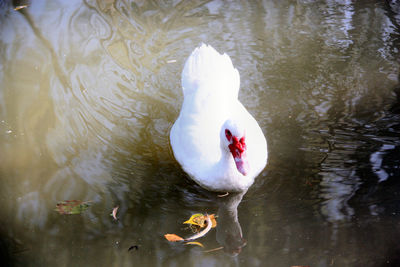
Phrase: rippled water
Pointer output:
(89, 91)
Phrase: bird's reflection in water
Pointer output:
(229, 233)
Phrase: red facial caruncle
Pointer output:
(238, 148)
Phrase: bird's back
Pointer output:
(208, 71)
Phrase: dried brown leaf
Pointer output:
(173, 238)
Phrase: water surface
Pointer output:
(89, 91)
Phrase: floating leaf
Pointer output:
(200, 219)
(114, 213)
(196, 219)
(202, 233)
(173, 238)
(71, 206)
(195, 243)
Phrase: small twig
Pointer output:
(20, 7)
(214, 249)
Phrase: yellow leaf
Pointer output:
(195, 243)
(203, 232)
(200, 219)
(196, 219)
(173, 237)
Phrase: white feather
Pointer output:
(210, 86)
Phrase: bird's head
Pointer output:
(234, 140)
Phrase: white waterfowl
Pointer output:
(215, 139)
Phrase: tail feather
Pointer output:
(206, 69)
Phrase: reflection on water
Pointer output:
(89, 91)
(229, 232)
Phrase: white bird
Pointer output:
(215, 139)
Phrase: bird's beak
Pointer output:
(242, 164)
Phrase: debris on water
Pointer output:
(194, 243)
(72, 207)
(20, 7)
(173, 238)
(114, 213)
(202, 233)
(200, 220)
(196, 221)
(135, 247)
(20, 4)
(214, 249)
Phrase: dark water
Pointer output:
(89, 91)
